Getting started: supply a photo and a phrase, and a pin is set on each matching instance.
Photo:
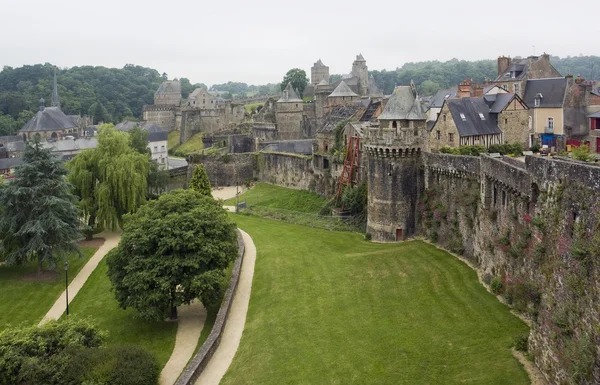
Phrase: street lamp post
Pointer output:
(67, 285)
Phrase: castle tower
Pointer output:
(169, 93)
(289, 115)
(361, 71)
(341, 95)
(322, 91)
(55, 98)
(318, 73)
(393, 152)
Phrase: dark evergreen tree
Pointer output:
(39, 219)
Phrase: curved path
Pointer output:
(111, 240)
(230, 339)
(190, 323)
(191, 320)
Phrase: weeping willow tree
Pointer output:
(111, 179)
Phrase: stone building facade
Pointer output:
(514, 73)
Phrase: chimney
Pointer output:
(569, 78)
(579, 79)
(503, 64)
(464, 89)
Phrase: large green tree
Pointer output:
(298, 78)
(138, 140)
(200, 181)
(173, 250)
(111, 179)
(39, 219)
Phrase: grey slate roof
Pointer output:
(323, 82)
(7, 163)
(519, 67)
(473, 124)
(10, 138)
(49, 119)
(498, 102)
(404, 104)
(370, 112)
(69, 145)
(169, 86)
(351, 81)
(596, 115)
(155, 132)
(441, 95)
(360, 57)
(339, 113)
(552, 91)
(342, 90)
(289, 95)
(319, 63)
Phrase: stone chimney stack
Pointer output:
(503, 64)
(579, 79)
(464, 89)
(569, 78)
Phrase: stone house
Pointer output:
(200, 98)
(512, 116)
(464, 122)
(514, 73)
(594, 134)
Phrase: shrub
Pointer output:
(39, 355)
(200, 182)
(520, 342)
(115, 365)
(368, 236)
(535, 148)
(449, 150)
(496, 285)
(487, 278)
(582, 153)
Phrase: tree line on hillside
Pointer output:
(431, 76)
(238, 90)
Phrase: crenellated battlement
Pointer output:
(395, 152)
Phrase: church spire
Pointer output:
(55, 99)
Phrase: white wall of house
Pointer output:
(159, 153)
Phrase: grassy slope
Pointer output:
(173, 140)
(96, 300)
(331, 308)
(28, 300)
(264, 194)
(194, 144)
(249, 106)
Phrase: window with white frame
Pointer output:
(463, 117)
(516, 88)
(481, 116)
(550, 122)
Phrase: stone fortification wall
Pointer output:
(534, 228)
(226, 170)
(288, 170)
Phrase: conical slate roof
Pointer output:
(360, 57)
(404, 104)
(323, 82)
(289, 95)
(319, 63)
(342, 90)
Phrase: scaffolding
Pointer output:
(350, 172)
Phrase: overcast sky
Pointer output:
(256, 42)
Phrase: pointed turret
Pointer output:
(55, 98)
(289, 95)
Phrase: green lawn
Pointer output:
(193, 144)
(249, 106)
(96, 300)
(23, 299)
(331, 308)
(268, 195)
(173, 140)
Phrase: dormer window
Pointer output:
(481, 116)
(463, 117)
(512, 74)
(536, 102)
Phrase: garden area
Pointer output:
(329, 307)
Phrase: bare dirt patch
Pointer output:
(96, 242)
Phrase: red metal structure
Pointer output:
(349, 176)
